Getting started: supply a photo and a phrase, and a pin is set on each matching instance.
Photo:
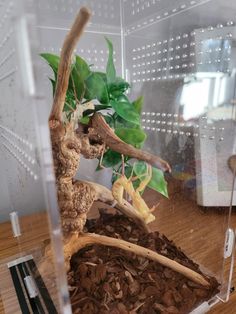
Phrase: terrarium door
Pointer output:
(181, 56)
(30, 212)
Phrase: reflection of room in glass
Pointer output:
(215, 55)
(211, 93)
(195, 98)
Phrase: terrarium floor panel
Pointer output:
(167, 215)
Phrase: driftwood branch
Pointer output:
(76, 243)
(65, 64)
(74, 199)
(115, 143)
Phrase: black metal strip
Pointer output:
(19, 291)
(39, 305)
(42, 288)
(31, 300)
(37, 300)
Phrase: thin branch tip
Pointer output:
(85, 11)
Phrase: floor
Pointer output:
(199, 232)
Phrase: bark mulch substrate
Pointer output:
(108, 280)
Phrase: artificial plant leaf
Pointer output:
(109, 120)
(53, 85)
(138, 104)
(125, 111)
(122, 123)
(96, 88)
(123, 98)
(84, 120)
(70, 103)
(118, 87)
(140, 170)
(157, 182)
(110, 159)
(76, 84)
(53, 61)
(82, 67)
(134, 137)
(80, 72)
(102, 75)
(110, 69)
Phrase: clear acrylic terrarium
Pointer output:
(180, 55)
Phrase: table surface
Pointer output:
(198, 232)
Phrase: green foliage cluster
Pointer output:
(109, 94)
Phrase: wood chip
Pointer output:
(107, 280)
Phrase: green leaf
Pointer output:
(53, 60)
(96, 88)
(134, 137)
(138, 104)
(110, 70)
(109, 120)
(102, 75)
(157, 182)
(53, 85)
(68, 107)
(110, 159)
(126, 111)
(84, 120)
(123, 98)
(79, 73)
(76, 84)
(118, 87)
(122, 123)
(140, 168)
(82, 67)
(70, 103)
